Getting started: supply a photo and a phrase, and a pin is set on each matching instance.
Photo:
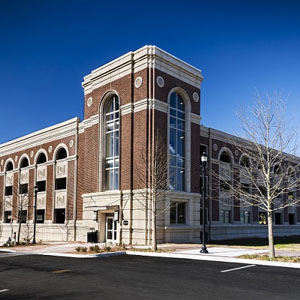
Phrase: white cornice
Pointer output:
(37, 138)
(139, 60)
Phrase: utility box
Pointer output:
(92, 236)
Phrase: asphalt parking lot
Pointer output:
(131, 277)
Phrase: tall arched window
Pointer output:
(177, 142)
(9, 178)
(111, 113)
(41, 177)
(61, 173)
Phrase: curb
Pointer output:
(7, 251)
(219, 259)
(99, 255)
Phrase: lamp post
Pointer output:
(36, 189)
(203, 192)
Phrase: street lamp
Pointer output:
(36, 189)
(203, 192)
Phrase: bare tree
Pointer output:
(21, 210)
(152, 173)
(268, 176)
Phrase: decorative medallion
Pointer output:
(215, 146)
(138, 82)
(2, 162)
(50, 149)
(236, 152)
(196, 97)
(89, 102)
(71, 143)
(16, 158)
(31, 154)
(160, 81)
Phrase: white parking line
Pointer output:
(5, 290)
(235, 269)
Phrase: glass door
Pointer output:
(111, 230)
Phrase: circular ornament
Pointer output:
(31, 154)
(196, 97)
(160, 81)
(50, 149)
(138, 82)
(89, 102)
(215, 146)
(236, 152)
(71, 143)
(2, 162)
(16, 158)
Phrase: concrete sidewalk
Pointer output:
(184, 251)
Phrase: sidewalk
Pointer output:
(184, 251)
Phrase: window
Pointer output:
(245, 217)
(277, 169)
(59, 215)
(224, 185)
(245, 188)
(177, 142)
(41, 159)
(8, 191)
(60, 183)
(277, 218)
(112, 122)
(225, 216)
(23, 188)
(9, 166)
(292, 219)
(225, 157)
(61, 154)
(291, 196)
(40, 216)
(41, 186)
(23, 216)
(245, 162)
(24, 163)
(262, 218)
(177, 213)
(7, 217)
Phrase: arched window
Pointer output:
(61, 154)
(111, 122)
(277, 169)
(24, 163)
(225, 157)
(177, 142)
(245, 161)
(41, 159)
(9, 166)
(61, 173)
(41, 183)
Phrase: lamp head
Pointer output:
(204, 157)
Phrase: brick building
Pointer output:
(91, 175)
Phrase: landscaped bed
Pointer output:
(290, 259)
(281, 243)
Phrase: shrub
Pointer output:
(81, 249)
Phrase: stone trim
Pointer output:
(49, 134)
(139, 60)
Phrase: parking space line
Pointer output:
(235, 269)
(5, 290)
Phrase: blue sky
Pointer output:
(46, 47)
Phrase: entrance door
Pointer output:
(111, 230)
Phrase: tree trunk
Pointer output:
(154, 242)
(19, 230)
(270, 235)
